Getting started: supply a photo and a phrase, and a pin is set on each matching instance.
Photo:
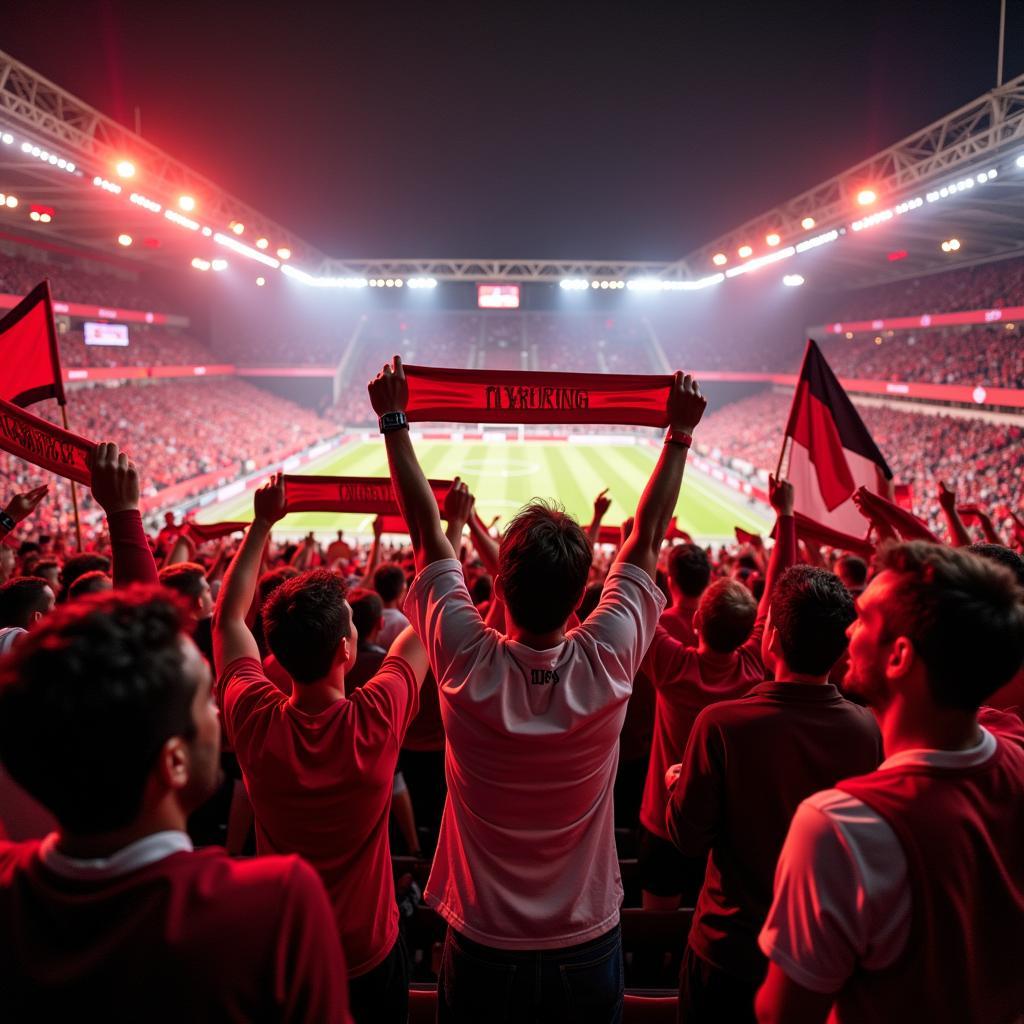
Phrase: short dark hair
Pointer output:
(21, 598)
(272, 579)
(92, 582)
(854, 568)
(964, 614)
(79, 565)
(544, 562)
(185, 578)
(47, 563)
(1002, 555)
(388, 581)
(811, 611)
(725, 616)
(304, 620)
(367, 610)
(689, 569)
(88, 700)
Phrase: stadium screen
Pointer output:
(106, 334)
(497, 296)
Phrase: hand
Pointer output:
(601, 505)
(686, 404)
(781, 496)
(378, 527)
(458, 503)
(625, 530)
(494, 522)
(947, 497)
(21, 506)
(269, 501)
(389, 390)
(672, 775)
(115, 480)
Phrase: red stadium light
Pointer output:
(744, 251)
(125, 169)
(124, 240)
(773, 238)
(897, 254)
(284, 253)
(719, 259)
(237, 226)
(42, 214)
(867, 196)
(262, 243)
(807, 223)
(186, 203)
(200, 264)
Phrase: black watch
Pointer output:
(6, 522)
(392, 421)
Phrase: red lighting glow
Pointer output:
(898, 254)
(866, 196)
(125, 169)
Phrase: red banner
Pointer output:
(905, 523)
(370, 494)
(44, 444)
(202, 532)
(512, 396)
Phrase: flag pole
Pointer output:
(786, 438)
(74, 488)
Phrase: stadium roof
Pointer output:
(60, 155)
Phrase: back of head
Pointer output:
(853, 571)
(272, 579)
(389, 582)
(185, 578)
(1003, 555)
(725, 616)
(543, 562)
(93, 582)
(811, 611)
(304, 620)
(87, 702)
(689, 569)
(79, 565)
(963, 614)
(482, 589)
(22, 598)
(367, 610)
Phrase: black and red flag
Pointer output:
(28, 351)
(831, 454)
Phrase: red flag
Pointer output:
(370, 494)
(904, 523)
(811, 532)
(201, 532)
(513, 396)
(45, 444)
(28, 351)
(609, 535)
(745, 537)
(831, 452)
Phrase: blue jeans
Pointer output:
(582, 983)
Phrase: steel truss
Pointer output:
(525, 271)
(978, 130)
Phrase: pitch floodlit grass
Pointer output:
(505, 476)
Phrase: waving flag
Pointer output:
(831, 452)
(28, 351)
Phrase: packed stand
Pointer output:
(147, 346)
(801, 781)
(579, 342)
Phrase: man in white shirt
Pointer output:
(900, 895)
(526, 871)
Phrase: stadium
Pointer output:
(217, 347)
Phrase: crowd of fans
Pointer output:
(920, 448)
(147, 346)
(389, 716)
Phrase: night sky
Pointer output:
(518, 130)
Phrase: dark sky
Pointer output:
(628, 130)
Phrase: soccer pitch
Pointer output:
(506, 476)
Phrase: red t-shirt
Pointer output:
(320, 786)
(678, 623)
(191, 937)
(686, 681)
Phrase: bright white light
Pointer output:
(719, 259)
(245, 250)
(207, 232)
(186, 203)
(982, 178)
(390, 282)
(46, 217)
(793, 280)
(773, 239)
(200, 264)
(107, 186)
(124, 240)
(334, 282)
(954, 244)
(260, 282)
(574, 284)
(284, 253)
(7, 138)
(262, 243)
(11, 202)
(430, 282)
(219, 264)
(181, 219)
(657, 284)
(761, 261)
(399, 282)
(945, 246)
(125, 169)
(866, 196)
(238, 227)
(145, 203)
(807, 223)
(744, 251)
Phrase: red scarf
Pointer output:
(44, 444)
(369, 494)
(514, 396)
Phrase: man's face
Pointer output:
(204, 748)
(871, 642)
(50, 573)
(168, 518)
(49, 600)
(204, 602)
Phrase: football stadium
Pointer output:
(473, 638)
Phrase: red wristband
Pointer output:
(679, 437)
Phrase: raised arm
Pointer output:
(20, 507)
(781, 496)
(389, 392)
(486, 546)
(232, 638)
(115, 486)
(686, 405)
(408, 647)
(601, 505)
(458, 510)
(959, 537)
(374, 559)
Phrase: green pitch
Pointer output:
(506, 476)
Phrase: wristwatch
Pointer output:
(6, 522)
(392, 421)
(679, 437)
